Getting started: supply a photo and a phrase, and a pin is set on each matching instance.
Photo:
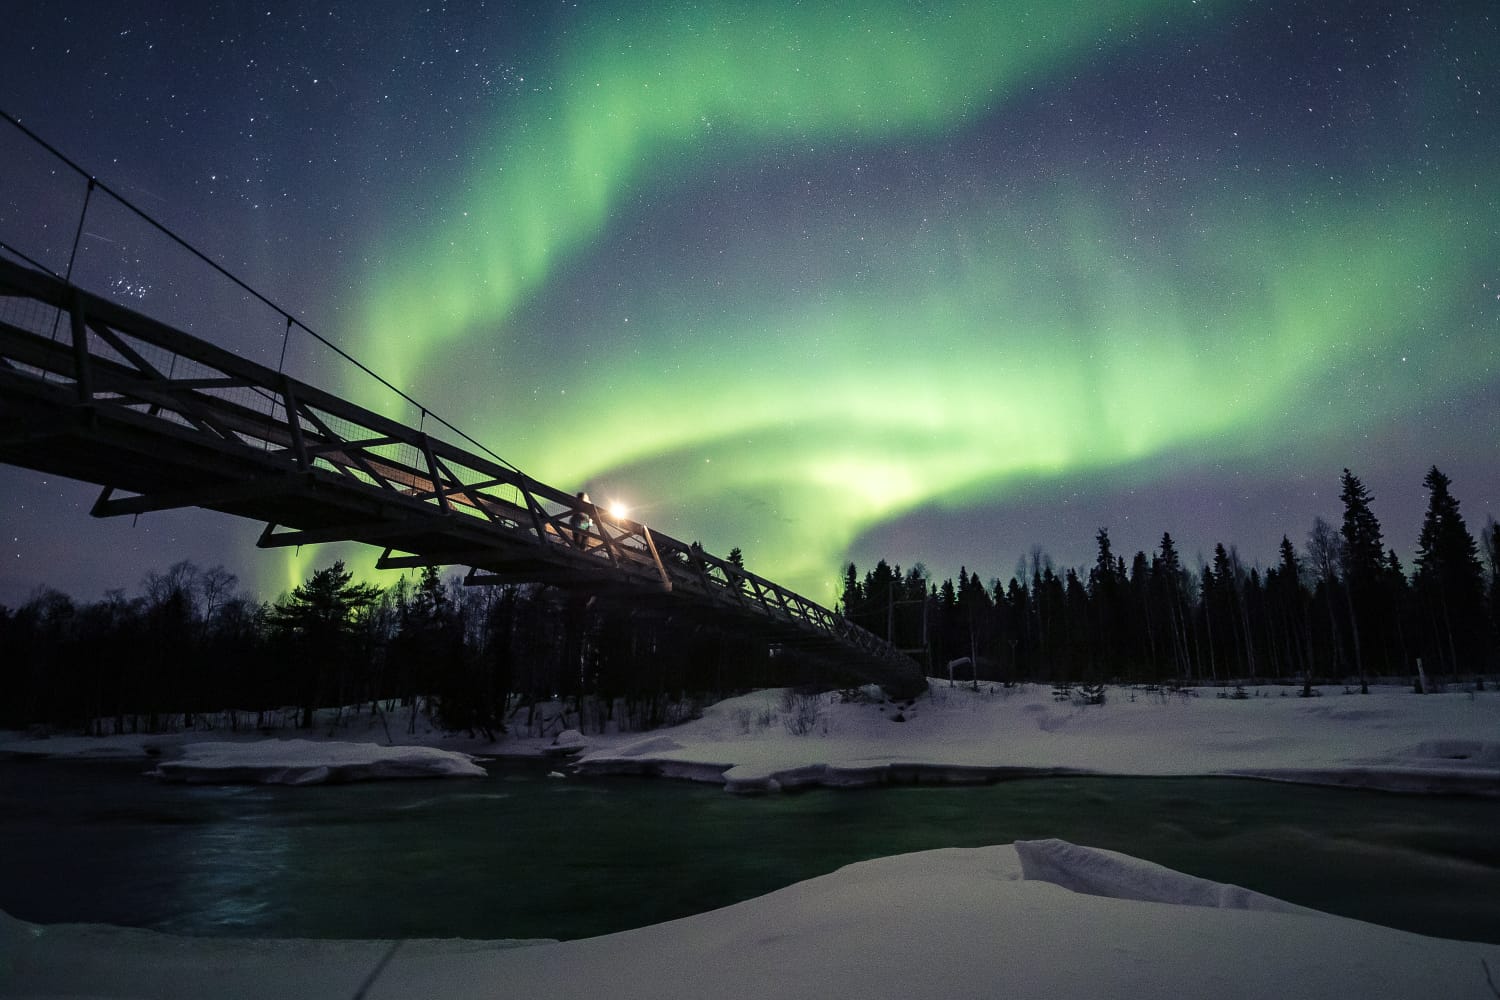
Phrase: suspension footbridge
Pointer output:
(161, 419)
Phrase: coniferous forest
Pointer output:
(1338, 607)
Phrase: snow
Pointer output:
(937, 924)
(568, 743)
(308, 762)
(1390, 739)
(1098, 872)
(1033, 919)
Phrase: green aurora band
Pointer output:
(642, 92)
(1068, 336)
(848, 419)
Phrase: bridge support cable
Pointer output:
(218, 431)
(95, 184)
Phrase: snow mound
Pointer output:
(928, 926)
(567, 743)
(310, 762)
(655, 744)
(1097, 872)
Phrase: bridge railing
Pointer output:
(164, 419)
(256, 437)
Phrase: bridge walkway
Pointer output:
(93, 391)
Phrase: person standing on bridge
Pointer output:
(580, 523)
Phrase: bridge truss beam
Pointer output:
(162, 420)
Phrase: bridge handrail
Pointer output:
(403, 464)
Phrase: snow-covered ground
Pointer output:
(1389, 738)
(197, 758)
(1039, 919)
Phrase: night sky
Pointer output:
(923, 281)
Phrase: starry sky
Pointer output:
(937, 282)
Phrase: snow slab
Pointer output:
(943, 924)
(309, 762)
(1098, 872)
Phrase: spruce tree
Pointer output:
(1168, 582)
(1209, 600)
(1364, 550)
(1140, 603)
(1325, 554)
(1363, 564)
(1076, 612)
(1106, 581)
(1396, 593)
(1449, 577)
(320, 617)
(1290, 601)
(851, 603)
(1018, 599)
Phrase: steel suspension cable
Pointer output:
(291, 319)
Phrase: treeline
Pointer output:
(1342, 607)
(191, 646)
(472, 658)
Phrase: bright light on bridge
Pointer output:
(618, 511)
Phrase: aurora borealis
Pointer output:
(934, 282)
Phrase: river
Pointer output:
(524, 855)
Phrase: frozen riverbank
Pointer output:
(768, 740)
(1389, 739)
(1032, 921)
(308, 762)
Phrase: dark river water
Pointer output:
(522, 855)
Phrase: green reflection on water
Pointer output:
(524, 855)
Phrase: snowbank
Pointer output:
(938, 924)
(1097, 872)
(1390, 739)
(310, 762)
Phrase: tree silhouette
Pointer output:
(190, 645)
(319, 620)
(1364, 566)
(1106, 587)
(1169, 582)
(1325, 556)
(1288, 601)
(1449, 577)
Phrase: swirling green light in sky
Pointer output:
(797, 431)
(1034, 329)
(637, 93)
